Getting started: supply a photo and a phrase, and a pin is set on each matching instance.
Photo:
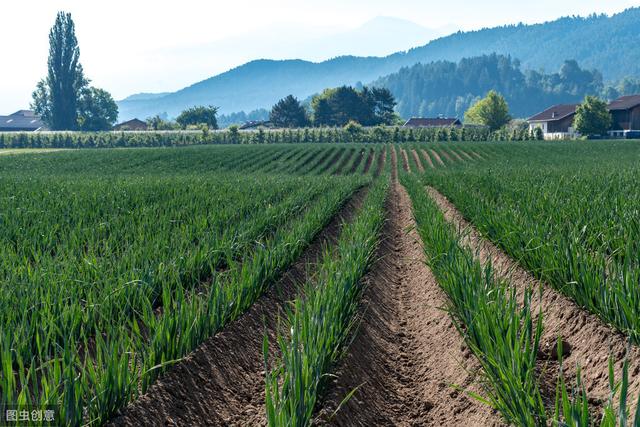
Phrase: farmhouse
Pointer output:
(438, 122)
(625, 112)
(556, 122)
(132, 125)
(21, 121)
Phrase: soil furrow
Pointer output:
(417, 160)
(405, 160)
(357, 162)
(437, 157)
(456, 155)
(343, 162)
(406, 355)
(427, 158)
(222, 381)
(332, 161)
(381, 161)
(590, 341)
(370, 158)
(446, 156)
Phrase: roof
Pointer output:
(557, 112)
(131, 124)
(23, 120)
(255, 123)
(432, 122)
(625, 103)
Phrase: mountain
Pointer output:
(449, 88)
(610, 44)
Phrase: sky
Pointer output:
(136, 46)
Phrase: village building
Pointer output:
(131, 125)
(21, 121)
(625, 114)
(438, 122)
(555, 122)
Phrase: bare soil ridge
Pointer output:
(222, 381)
(590, 340)
(407, 353)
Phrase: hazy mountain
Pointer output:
(609, 44)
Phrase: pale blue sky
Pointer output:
(134, 46)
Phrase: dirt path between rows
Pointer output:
(381, 162)
(407, 353)
(416, 158)
(427, 158)
(437, 157)
(466, 155)
(447, 156)
(591, 341)
(344, 160)
(370, 157)
(222, 381)
(405, 160)
(456, 155)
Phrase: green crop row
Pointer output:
(115, 264)
(320, 324)
(502, 334)
(569, 216)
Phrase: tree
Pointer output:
(158, 123)
(96, 110)
(201, 115)
(592, 117)
(368, 107)
(289, 113)
(492, 111)
(56, 98)
(63, 99)
(383, 104)
(321, 112)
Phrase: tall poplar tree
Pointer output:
(57, 96)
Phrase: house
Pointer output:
(131, 125)
(556, 122)
(438, 122)
(253, 124)
(21, 121)
(625, 112)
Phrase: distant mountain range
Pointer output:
(609, 44)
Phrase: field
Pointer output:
(420, 283)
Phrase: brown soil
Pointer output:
(437, 157)
(591, 341)
(370, 157)
(222, 381)
(427, 158)
(417, 160)
(343, 163)
(394, 163)
(456, 155)
(333, 161)
(357, 162)
(407, 354)
(477, 155)
(321, 160)
(405, 160)
(381, 161)
(466, 155)
(446, 155)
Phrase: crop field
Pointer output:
(420, 283)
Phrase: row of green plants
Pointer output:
(116, 264)
(319, 324)
(349, 133)
(501, 332)
(569, 217)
